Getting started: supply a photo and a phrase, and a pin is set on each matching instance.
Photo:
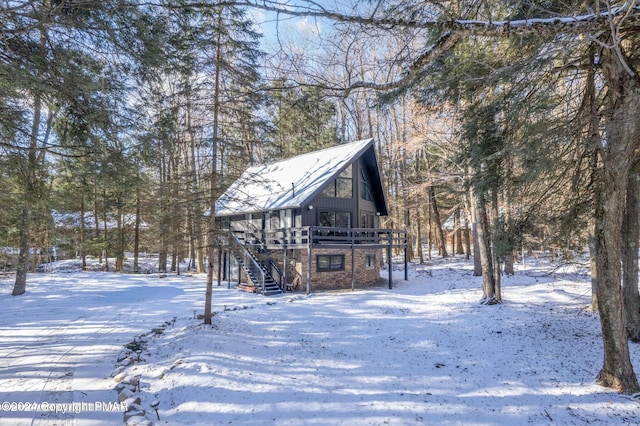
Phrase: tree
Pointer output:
(631, 239)
(616, 29)
(288, 106)
(234, 62)
(47, 54)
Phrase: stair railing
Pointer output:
(274, 267)
(256, 272)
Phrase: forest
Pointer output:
(514, 121)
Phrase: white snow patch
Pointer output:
(425, 352)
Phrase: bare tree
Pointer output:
(614, 27)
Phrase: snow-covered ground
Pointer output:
(425, 352)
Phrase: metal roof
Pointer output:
(289, 183)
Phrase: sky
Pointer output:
(282, 30)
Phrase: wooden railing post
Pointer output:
(390, 262)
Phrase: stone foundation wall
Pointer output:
(339, 280)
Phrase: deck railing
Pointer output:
(257, 242)
(322, 236)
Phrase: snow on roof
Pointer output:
(288, 183)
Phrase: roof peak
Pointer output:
(320, 151)
(269, 186)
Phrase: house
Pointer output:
(309, 222)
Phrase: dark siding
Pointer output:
(319, 203)
(354, 205)
(310, 217)
(369, 162)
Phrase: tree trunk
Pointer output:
(106, 234)
(623, 135)
(20, 285)
(454, 236)
(595, 140)
(83, 254)
(508, 264)
(467, 240)
(617, 371)
(165, 176)
(120, 239)
(511, 255)
(211, 232)
(496, 255)
(631, 238)
(419, 242)
(477, 262)
(484, 250)
(436, 218)
(194, 209)
(429, 231)
(96, 223)
(136, 232)
(594, 272)
(30, 184)
(458, 233)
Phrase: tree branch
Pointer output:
(572, 24)
(626, 16)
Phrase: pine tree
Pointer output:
(288, 106)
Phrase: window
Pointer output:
(367, 220)
(370, 261)
(341, 187)
(333, 219)
(286, 218)
(365, 188)
(329, 262)
(272, 220)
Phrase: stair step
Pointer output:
(270, 286)
(247, 287)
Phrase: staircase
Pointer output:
(261, 280)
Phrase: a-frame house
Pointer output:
(309, 222)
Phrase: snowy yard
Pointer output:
(425, 352)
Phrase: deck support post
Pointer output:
(309, 267)
(228, 268)
(219, 264)
(353, 266)
(390, 263)
(284, 267)
(406, 262)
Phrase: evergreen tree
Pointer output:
(614, 27)
(302, 119)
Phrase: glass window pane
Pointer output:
(328, 219)
(329, 191)
(365, 191)
(329, 263)
(336, 262)
(343, 220)
(346, 173)
(370, 261)
(344, 188)
(323, 262)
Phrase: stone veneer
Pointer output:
(334, 280)
(338, 280)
